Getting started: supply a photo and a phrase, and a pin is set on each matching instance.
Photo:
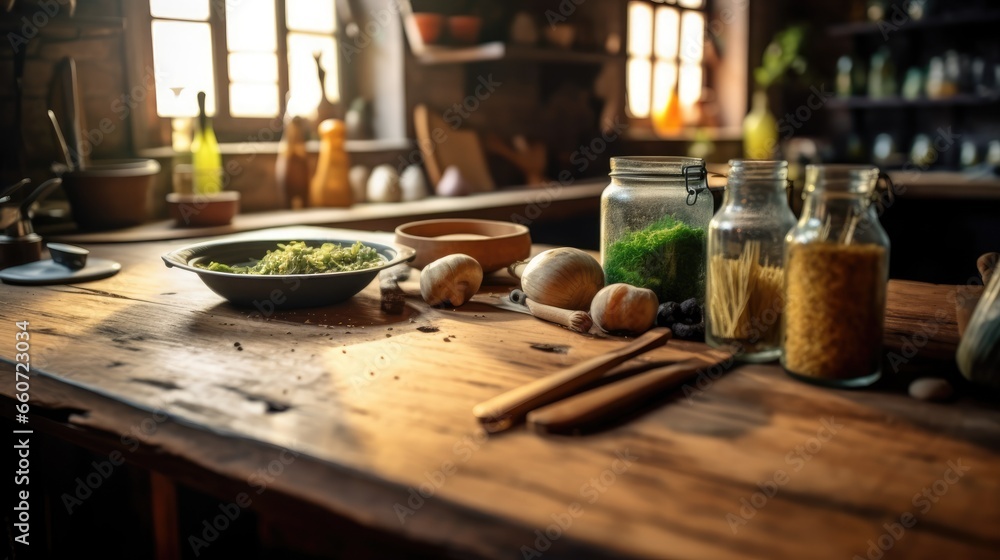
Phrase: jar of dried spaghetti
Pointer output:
(745, 281)
(837, 266)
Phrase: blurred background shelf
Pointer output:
(503, 51)
(923, 102)
(887, 26)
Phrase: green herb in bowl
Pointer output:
(296, 257)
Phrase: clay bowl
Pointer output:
(111, 194)
(464, 30)
(494, 244)
(429, 25)
(195, 210)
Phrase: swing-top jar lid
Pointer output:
(857, 179)
(657, 166)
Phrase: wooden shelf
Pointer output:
(899, 102)
(582, 197)
(312, 146)
(945, 185)
(502, 51)
(10, 25)
(932, 22)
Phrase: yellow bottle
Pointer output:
(760, 130)
(330, 186)
(206, 159)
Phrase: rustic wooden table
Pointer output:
(369, 418)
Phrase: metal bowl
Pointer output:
(283, 291)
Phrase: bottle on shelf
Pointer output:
(331, 186)
(292, 165)
(206, 158)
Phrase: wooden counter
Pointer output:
(370, 420)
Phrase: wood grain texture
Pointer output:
(377, 406)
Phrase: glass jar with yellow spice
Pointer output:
(837, 269)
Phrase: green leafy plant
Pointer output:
(780, 57)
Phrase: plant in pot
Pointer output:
(205, 204)
(760, 128)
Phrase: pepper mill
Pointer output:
(292, 165)
(330, 186)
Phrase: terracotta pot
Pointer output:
(430, 26)
(464, 29)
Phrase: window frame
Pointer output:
(150, 130)
(645, 124)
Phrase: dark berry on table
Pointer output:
(691, 310)
(666, 314)
(689, 332)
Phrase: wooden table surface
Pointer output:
(374, 418)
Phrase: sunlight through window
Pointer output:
(666, 51)
(183, 64)
(186, 61)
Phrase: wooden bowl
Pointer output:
(196, 210)
(494, 244)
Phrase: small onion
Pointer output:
(621, 308)
(566, 278)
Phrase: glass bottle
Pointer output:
(654, 215)
(836, 274)
(206, 159)
(745, 282)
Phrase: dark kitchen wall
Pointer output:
(45, 32)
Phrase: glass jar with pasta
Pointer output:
(837, 273)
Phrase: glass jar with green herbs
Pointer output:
(654, 216)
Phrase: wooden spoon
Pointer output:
(604, 405)
(505, 411)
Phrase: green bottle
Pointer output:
(205, 155)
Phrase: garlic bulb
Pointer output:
(566, 278)
(451, 280)
(623, 308)
(383, 185)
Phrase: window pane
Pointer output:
(253, 68)
(182, 60)
(639, 78)
(667, 29)
(690, 86)
(664, 81)
(179, 9)
(253, 100)
(250, 26)
(691, 3)
(310, 15)
(692, 36)
(303, 81)
(640, 28)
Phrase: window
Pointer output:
(252, 58)
(665, 54)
